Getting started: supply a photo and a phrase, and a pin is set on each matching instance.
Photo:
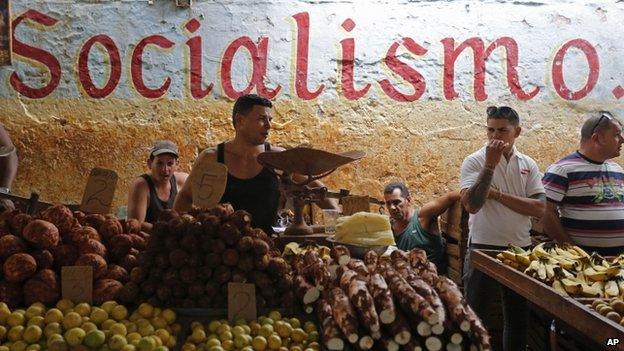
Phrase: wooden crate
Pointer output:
(454, 228)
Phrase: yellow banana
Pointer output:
(532, 267)
(611, 289)
(541, 271)
(565, 262)
(571, 287)
(594, 275)
(523, 259)
(539, 251)
(591, 291)
(567, 254)
(559, 288)
(620, 283)
(579, 251)
(509, 255)
(550, 272)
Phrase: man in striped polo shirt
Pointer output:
(585, 190)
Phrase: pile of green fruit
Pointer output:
(271, 332)
(82, 327)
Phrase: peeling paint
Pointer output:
(61, 136)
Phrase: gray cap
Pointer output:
(164, 147)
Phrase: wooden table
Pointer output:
(574, 314)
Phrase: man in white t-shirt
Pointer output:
(502, 190)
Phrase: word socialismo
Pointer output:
(259, 54)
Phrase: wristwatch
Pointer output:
(4, 190)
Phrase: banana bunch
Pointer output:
(515, 257)
(569, 269)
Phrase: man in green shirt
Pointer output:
(418, 228)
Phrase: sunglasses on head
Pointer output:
(503, 111)
(606, 115)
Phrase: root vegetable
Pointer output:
(370, 260)
(363, 303)
(340, 254)
(437, 329)
(278, 267)
(343, 313)
(389, 344)
(359, 267)
(422, 288)
(244, 244)
(423, 328)
(433, 343)
(384, 304)
(260, 247)
(230, 257)
(399, 329)
(366, 342)
(346, 276)
(462, 315)
(305, 292)
(409, 299)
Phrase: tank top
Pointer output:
(156, 205)
(258, 195)
(414, 235)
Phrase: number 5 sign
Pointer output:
(208, 179)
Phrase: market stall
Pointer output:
(569, 304)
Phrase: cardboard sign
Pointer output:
(98, 195)
(241, 302)
(77, 283)
(208, 179)
(353, 204)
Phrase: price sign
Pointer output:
(241, 302)
(208, 179)
(77, 283)
(98, 195)
(353, 204)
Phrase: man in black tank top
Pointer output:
(155, 191)
(250, 186)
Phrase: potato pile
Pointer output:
(33, 250)
(612, 309)
(83, 327)
(271, 332)
(385, 302)
(191, 258)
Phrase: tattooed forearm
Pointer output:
(477, 194)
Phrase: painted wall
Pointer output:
(94, 83)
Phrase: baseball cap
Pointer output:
(164, 147)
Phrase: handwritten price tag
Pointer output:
(241, 302)
(208, 180)
(100, 190)
(77, 283)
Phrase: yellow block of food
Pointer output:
(364, 229)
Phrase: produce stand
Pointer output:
(568, 311)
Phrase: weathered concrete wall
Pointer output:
(94, 83)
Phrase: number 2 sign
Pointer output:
(241, 302)
(100, 190)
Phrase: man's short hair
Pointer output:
(389, 189)
(245, 103)
(503, 112)
(597, 123)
